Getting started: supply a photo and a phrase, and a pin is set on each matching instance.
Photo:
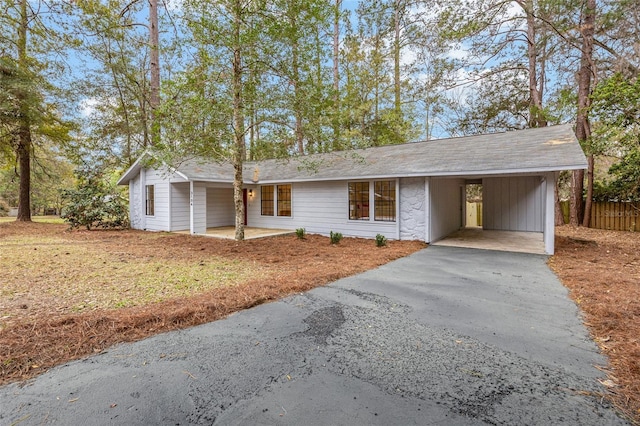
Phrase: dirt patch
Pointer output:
(70, 294)
(602, 271)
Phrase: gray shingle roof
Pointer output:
(544, 149)
(525, 151)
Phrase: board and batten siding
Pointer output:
(220, 209)
(513, 203)
(319, 207)
(180, 206)
(160, 220)
(412, 209)
(446, 207)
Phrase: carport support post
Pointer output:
(192, 229)
(427, 210)
(549, 212)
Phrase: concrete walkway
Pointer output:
(250, 233)
(447, 336)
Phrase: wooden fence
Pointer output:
(615, 216)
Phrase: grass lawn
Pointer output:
(37, 219)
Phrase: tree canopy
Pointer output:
(231, 80)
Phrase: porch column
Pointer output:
(191, 210)
(549, 212)
(197, 208)
(427, 210)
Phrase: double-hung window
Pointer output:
(284, 200)
(385, 200)
(359, 200)
(266, 200)
(149, 200)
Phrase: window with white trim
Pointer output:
(284, 200)
(384, 201)
(359, 200)
(266, 200)
(375, 199)
(150, 200)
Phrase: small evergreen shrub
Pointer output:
(4, 208)
(381, 240)
(335, 237)
(94, 204)
(301, 233)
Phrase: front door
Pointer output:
(244, 201)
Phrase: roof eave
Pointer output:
(132, 171)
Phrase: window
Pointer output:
(284, 200)
(359, 200)
(149, 200)
(385, 201)
(266, 200)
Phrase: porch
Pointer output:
(250, 233)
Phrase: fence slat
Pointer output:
(615, 216)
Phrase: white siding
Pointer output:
(412, 209)
(220, 210)
(180, 206)
(160, 220)
(199, 208)
(513, 203)
(446, 207)
(319, 207)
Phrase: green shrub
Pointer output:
(335, 237)
(381, 240)
(301, 233)
(4, 208)
(94, 204)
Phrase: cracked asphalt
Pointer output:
(446, 336)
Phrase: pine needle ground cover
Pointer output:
(601, 269)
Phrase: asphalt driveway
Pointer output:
(446, 336)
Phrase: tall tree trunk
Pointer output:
(23, 152)
(154, 65)
(586, 220)
(536, 116)
(583, 128)
(238, 124)
(23, 148)
(295, 70)
(396, 60)
(336, 75)
(559, 216)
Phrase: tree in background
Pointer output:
(28, 117)
(120, 102)
(615, 111)
(586, 74)
(276, 78)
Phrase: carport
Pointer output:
(517, 212)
